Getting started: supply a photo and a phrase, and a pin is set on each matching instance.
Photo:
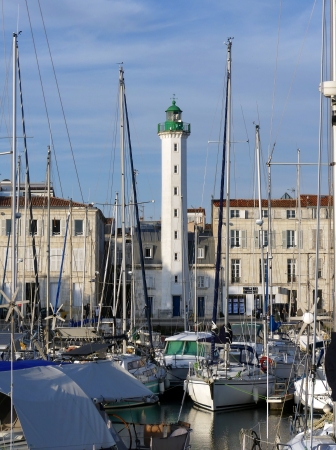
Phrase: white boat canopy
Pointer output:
(54, 412)
(108, 382)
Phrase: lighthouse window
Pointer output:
(175, 234)
(175, 190)
(175, 169)
(175, 212)
(176, 256)
(175, 147)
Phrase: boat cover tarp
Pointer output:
(25, 364)
(107, 382)
(54, 412)
(77, 333)
(330, 365)
(88, 349)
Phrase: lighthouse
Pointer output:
(174, 227)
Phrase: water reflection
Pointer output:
(213, 431)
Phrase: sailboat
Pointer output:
(235, 380)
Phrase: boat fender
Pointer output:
(162, 387)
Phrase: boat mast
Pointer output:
(48, 249)
(115, 263)
(225, 158)
(13, 223)
(261, 240)
(122, 149)
(227, 144)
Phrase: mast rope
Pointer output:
(44, 98)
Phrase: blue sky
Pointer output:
(167, 48)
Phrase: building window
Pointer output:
(237, 238)
(78, 227)
(290, 238)
(175, 169)
(202, 282)
(175, 234)
(264, 240)
(234, 213)
(264, 213)
(265, 271)
(56, 227)
(200, 253)
(176, 278)
(175, 190)
(8, 226)
(175, 256)
(290, 213)
(175, 212)
(291, 270)
(33, 227)
(175, 147)
(234, 238)
(235, 270)
(201, 306)
(148, 252)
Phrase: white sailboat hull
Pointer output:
(228, 394)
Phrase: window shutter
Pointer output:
(284, 239)
(321, 239)
(243, 214)
(331, 238)
(232, 234)
(40, 227)
(256, 239)
(272, 239)
(206, 282)
(243, 239)
(299, 238)
(63, 227)
(313, 244)
(86, 227)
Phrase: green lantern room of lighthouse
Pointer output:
(174, 120)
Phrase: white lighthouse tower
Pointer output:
(174, 234)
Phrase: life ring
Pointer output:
(264, 362)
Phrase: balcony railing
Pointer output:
(174, 126)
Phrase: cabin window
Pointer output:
(190, 348)
(174, 348)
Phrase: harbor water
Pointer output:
(212, 431)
